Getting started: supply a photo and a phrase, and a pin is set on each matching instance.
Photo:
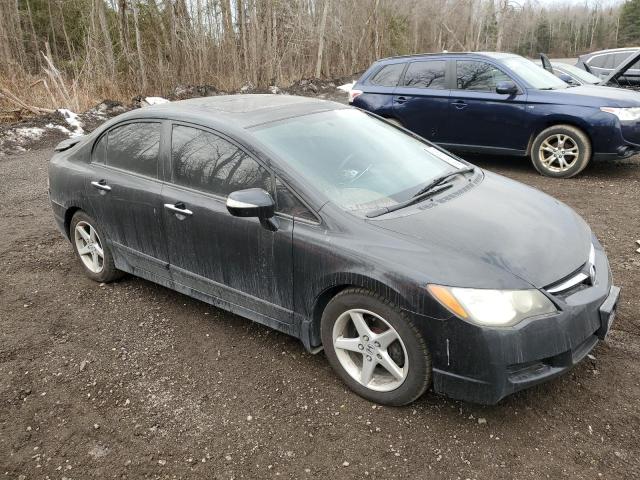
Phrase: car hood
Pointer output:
(498, 226)
(608, 96)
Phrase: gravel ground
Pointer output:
(131, 380)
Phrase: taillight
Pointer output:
(353, 94)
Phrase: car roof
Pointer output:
(244, 110)
(609, 50)
(497, 55)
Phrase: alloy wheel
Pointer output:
(370, 350)
(89, 247)
(559, 152)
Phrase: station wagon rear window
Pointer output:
(388, 76)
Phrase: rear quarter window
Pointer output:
(289, 204)
(99, 154)
(387, 76)
(135, 147)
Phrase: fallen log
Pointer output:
(4, 93)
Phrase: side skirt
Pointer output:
(483, 150)
(299, 328)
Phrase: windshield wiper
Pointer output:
(438, 180)
(425, 192)
(406, 203)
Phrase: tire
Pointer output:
(389, 336)
(99, 268)
(551, 142)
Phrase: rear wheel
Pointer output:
(93, 253)
(561, 151)
(375, 348)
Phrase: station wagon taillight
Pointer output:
(353, 94)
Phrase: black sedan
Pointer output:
(409, 266)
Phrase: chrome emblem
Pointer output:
(592, 274)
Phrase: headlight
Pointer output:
(624, 114)
(496, 308)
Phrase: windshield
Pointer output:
(533, 74)
(358, 161)
(582, 75)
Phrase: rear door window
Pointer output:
(205, 161)
(606, 60)
(135, 147)
(478, 76)
(426, 74)
(388, 76)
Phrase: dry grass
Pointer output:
(40, 92)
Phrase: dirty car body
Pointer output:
(480, 232)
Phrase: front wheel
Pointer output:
(375, 348)
(561, 151)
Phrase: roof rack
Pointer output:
(419, 55)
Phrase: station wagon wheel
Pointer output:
(561, 151)
(375, 347)
(90, 245)
(370, 350)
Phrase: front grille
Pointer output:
(578, 280)
(573, 283)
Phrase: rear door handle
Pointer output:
(459, 104)
(101, 185)
(401, 99)
(178, 208)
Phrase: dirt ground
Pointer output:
(131, 380)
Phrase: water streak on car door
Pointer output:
(233, 259)
(127, 204)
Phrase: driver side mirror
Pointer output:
(507, 88)
(253, 202)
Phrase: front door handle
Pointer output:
(101, 185)
(401, 99)
(178, 208)
(459, 104)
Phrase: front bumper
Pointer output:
(483, 365)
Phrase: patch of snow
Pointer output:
(32, 133)
(347, 87)
(148, 101)
(64, 130)
(274, 89)
(73, 120)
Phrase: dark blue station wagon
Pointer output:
(500, 103)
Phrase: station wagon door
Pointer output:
(421, 100)
(479, 116)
